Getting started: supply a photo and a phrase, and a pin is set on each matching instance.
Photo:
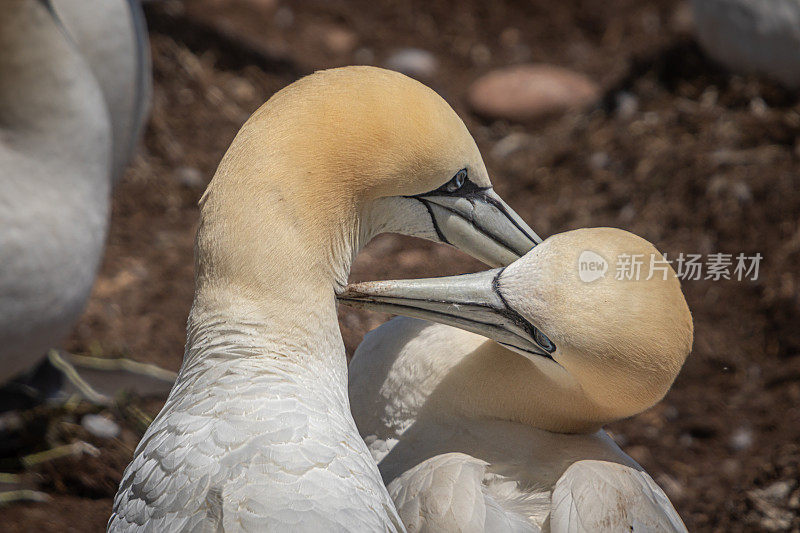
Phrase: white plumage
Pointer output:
(454, 492)
(242, 446)
(604, 496)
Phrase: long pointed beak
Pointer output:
(481, 224)
(470, 301)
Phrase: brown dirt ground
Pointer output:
(709, 162)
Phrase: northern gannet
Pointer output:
(55, 163)
(257, 432)
(505, 434)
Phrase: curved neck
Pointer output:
(258, 259)
(494, 382)
(49, 101)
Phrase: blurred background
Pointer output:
(588, 114)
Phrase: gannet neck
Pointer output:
(494, 382)
(298, 325)
(281, 269)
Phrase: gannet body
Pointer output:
(257, 432)
(746, 36)
(73, 99)
(55, 163)
(474, 434)
(111, 35)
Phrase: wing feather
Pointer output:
(447, 493)
(603, 496)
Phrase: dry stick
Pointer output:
(72, 375)
(76, 448)
(128, 365)
(22, 495)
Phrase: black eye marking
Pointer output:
(542, 340)
(459, 185)
(457, 181)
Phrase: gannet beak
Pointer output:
(477, 221)
(470, 301)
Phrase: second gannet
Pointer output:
(74, 86)
(505, 434)
(257, 432)
(55, 170)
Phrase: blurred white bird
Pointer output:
(62, 144)
(257, 432)
(761, 36)
(111, 35)
(504, 435)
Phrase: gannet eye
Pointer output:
(457, 181)
(542, 340)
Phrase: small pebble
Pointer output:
(413, 62)
(513, 142)
(339, 41)
(284, 17)
(627, 105)
(777, 491)
(627, 213)
(189, 177)
(364, 56)
(480, 54)
(100, 426)
(758, 106)
(599, 160)
(741, 439)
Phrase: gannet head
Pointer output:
(623, 341)
(339, 156)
